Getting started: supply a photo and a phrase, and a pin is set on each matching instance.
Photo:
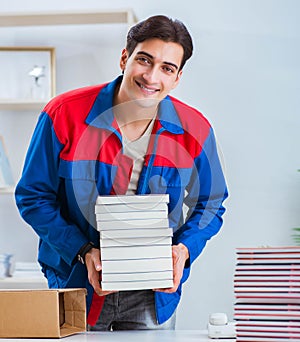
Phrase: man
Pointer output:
(124, 137)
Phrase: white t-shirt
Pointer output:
(136, 149)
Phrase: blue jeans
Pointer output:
(124, 310)
(130, 310)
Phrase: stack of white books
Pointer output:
(27, 270)
(267, 291)
(135, 242)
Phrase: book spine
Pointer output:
(133, 253)
(124, 199)
(146, 215)
(135, 207)
(137, 276)
(142, 241)
(132, 224)
(136, 285)
(135, 233)
(142, 265)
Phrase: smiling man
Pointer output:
(129, 137)
(150, 72)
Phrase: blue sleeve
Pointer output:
(36, 193)
(206, 192)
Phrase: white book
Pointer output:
(269, 336)
(269, 261)
(122, 199)
(268, 283)
(283, 329)
(130, 207)
(133, 224)
(133, 253)
(285, 307)
(267, 276)
(266, 300)
(269, 324)
(271, 314)
(254, 306)
(137, 276)
(137, 285)
(257, 250)
(141, 241)
(135, 233)
(278, 289)
(138, 215)
(270, 257)
(270, 296)
(267, 267)
(282, 275)
(141, 265)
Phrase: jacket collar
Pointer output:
(101, 115)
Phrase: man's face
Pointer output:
(150, 72)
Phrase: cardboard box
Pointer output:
(50, 313)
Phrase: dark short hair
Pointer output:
(164, 28)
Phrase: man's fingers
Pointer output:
(179, 255)
(94, 267)
(95, 282)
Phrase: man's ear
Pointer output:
(177, 79)
(123, 60)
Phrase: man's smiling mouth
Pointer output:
(146, 89)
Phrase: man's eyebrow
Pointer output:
(151, 57)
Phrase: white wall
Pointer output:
(244, 76)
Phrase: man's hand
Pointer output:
(179, 254)
(94, 267)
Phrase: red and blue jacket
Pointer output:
(76, 154)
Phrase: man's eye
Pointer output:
(168, 69)
(143, 60)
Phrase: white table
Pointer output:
(23, 283)
(133, 336)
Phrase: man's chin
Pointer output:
(146, 103)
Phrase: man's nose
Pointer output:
(152, 75)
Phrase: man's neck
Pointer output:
(132, 117)
(133, 124)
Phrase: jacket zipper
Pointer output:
(151, 161)
(145, 184)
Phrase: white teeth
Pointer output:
(147, 89)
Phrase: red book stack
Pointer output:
(267, 292)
